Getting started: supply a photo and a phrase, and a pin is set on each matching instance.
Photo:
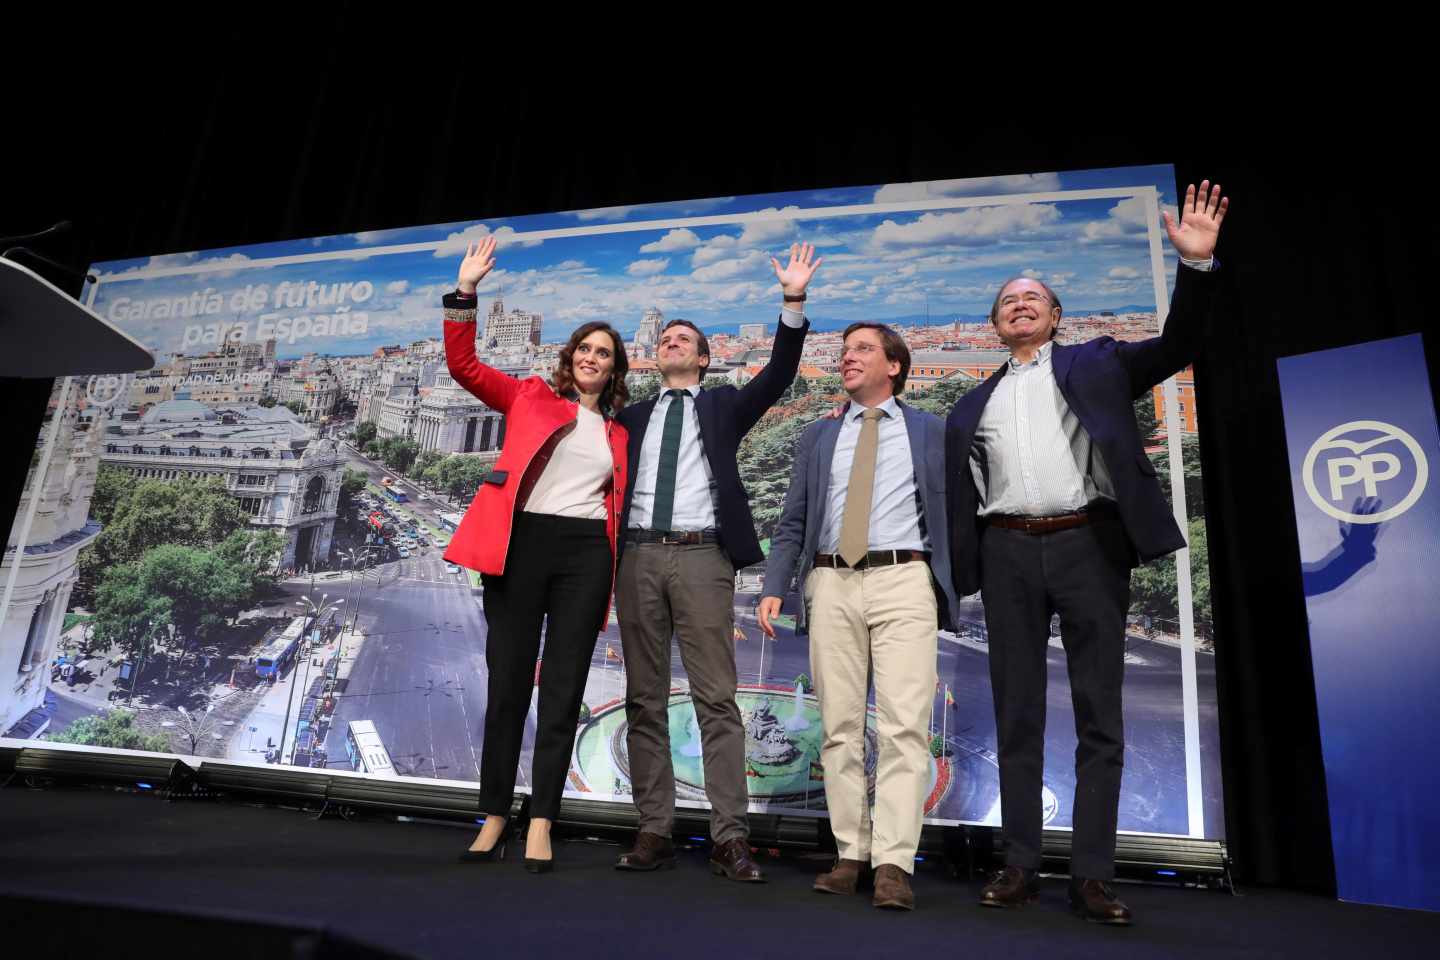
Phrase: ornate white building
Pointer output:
(505, 331)
(451, 420)
(284, 477)
(32, 623)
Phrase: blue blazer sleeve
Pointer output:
(760, 394)
(789, 537)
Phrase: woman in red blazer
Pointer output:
(541, 531)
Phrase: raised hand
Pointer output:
(479, 260)
(1200, 218)
(795, 276)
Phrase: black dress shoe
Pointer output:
(540, 866)
(494, 855)
(1096, 902)
(731, 860)
(1012, 887)
(651, 852)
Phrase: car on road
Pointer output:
(442, 541)
(452, 568)
(404, 553)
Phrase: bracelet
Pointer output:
(466, 296)
(790, 299)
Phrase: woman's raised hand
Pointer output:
(479, 260)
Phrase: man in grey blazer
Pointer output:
(875, 571)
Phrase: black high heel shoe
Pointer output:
(531, 864)
(495, 854)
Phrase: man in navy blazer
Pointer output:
(864, 525)
(686, 528)
(1053, 500)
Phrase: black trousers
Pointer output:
(1083, 574)
(558, 572)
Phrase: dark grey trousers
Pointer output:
(1084, 575)
(687, 592)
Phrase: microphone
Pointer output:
(60, 227)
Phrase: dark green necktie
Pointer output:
(664, 511)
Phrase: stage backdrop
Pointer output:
(255, 527)
(1360, 426)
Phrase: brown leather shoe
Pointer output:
(1096, 902)
(652, 852)
(843, 878)
(1012, 887)
(731, 859)
(892, 888)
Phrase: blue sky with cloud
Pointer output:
(617, 262)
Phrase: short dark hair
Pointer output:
(699, 338)
(616, 393)
(896, 350)
(995, 307)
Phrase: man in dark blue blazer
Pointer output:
(1053, 500)
(864, 525)
(686, 528)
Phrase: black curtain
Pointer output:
(1327, 244)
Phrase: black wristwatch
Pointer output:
(790, 299)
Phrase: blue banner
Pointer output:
(1360, 426)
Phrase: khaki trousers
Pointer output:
(879, 623)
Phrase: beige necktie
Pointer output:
(855, 526)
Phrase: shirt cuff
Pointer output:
(1204, 266)
(791, 317)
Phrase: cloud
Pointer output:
(777, 225)
(973, 187)
(1127, 220)
(750, 264)
(682, 208)
(397, 286)
(716, 248)
(454, 245)
(976, 226)
(675, 240)
(648, 268)
(1123, 273)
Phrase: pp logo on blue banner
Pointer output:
(1368, 461)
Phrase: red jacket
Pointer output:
(534, 416)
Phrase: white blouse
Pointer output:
(573, 482)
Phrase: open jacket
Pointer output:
(1100, 380)
(535, 420)
(797, 533)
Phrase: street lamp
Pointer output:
(316, 611)
(194, 726)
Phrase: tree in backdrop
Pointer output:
(129, 615)
(352, 482)
(460, 476)
(940, 399)
(767, 453)
(295, 407)
(365, 432)
(1154, 591)
(643, 386)
(141, 515)
(115, 729)
(267, 401)
(423, 462)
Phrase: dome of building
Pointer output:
(178, 411)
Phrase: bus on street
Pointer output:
(276, 655)
(367, 753)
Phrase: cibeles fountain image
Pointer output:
(783, 735)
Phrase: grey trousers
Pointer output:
(687, 592)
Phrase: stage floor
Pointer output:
(397, 888)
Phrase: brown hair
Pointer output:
(700, 341)
(1054, 300)
(896, 350)
(616, 394)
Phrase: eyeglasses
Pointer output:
(1029, 296)
(863, 349)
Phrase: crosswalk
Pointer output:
(428, 568)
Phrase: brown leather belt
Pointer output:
(875, 558)
(1061, 521)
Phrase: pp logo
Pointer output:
(102, 390)
(1359, 462)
